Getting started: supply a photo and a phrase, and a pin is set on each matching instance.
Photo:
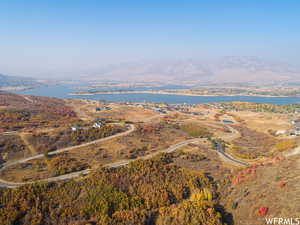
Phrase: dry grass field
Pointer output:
(86, 109)
(265, 121)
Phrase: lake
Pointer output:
(62, 91)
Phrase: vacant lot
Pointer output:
(264, 122)
(43, 168)
(252, 144)
(45, 142)
(12, 147)
(145, 139)
(130, 113)
(201, 157)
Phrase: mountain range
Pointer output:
(16, 82)
(222, 70)
(225, 70)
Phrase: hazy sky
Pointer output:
(63, 37)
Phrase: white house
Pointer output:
(97, 125)
(280, 132)
(74, 128)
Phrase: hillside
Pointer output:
(14, 82)
(21, 111)
(146, 192)
(222, 164)
(265, 190)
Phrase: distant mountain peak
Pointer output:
(224, 69)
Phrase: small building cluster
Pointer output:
(99, 123)
(293, 132)
(105, 108)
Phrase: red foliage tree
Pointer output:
(263, 211)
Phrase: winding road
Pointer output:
(12, 184)
(228, 158)
(225, 156)
(83, 172)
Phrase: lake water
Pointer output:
(62, 91)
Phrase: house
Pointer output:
(75, 128)
(297, 125)
(294, 132)
(280, 132)
(157, 109)
(97, 125)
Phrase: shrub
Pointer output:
(285, 145)
(195, 130)
(263, 211)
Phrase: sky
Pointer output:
(58, 38)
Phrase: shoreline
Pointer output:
(167, 93)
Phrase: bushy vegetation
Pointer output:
(63, 164)
(31, 111)
(285, 145)
(91, 134)
(36, 104)
(189, 156)
(11, 147)
(252, 144)
(145, 192)
(243, 154)
(45, 142)
(195, 130)
(150, 128)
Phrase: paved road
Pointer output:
(226, 157)
(126, 162)
(170, 149)
(27, 98)
(110, 165)
(4, 165)
(232, 135)
(131, 129)
(9, 133)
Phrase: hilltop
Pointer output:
(24, 111)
